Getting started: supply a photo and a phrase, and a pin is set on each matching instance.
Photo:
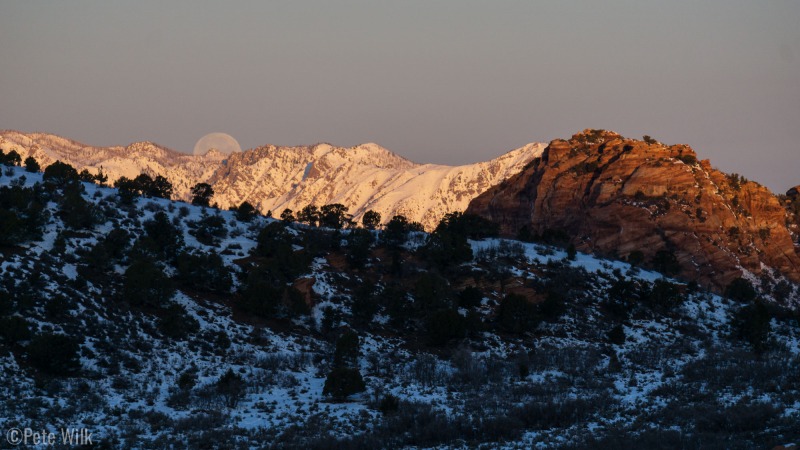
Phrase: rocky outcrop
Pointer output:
(614, 196)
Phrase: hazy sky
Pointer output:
(435, 81)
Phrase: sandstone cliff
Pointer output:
(614, 196)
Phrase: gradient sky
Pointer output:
(435, 81)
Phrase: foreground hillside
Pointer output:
(273, 178)
(158, 324)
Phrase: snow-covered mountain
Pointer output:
(364, 177)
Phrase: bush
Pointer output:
(14, 329)
(445, 325)
(617, 335)
(470, 297)
(516, 314)
(209, 229)
(162, 238)
(54, 354)
(22, 214)
(346, 354)
(343, 382)
(145, 284)
(752, 323)
(175, 323)
(389, 404)
(665, 294)
(359, 242)
(204, 271)
(741, 290)
(231, 387)
(10, 159)
(666, 262)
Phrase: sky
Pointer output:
(441, 81)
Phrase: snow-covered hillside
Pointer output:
(274, 178)
(597, 354)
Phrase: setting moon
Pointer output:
(223, 142)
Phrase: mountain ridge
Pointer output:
(274, 178)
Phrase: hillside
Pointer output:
(647, 201)
(157, 324)
(274, 178)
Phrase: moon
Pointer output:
(223, 142)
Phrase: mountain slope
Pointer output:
(273, 178)
(521, 346)
(617, 196)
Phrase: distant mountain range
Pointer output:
(272, 178)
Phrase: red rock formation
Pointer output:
(613, 196)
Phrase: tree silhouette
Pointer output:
(371, 220)
(201, 194)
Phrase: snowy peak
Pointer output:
(363, 177)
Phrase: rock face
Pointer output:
(272, 178)
(614, 196)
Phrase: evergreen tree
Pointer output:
(201, 194)
(31, 165)
(145, 284)
(245, 212)
(287, 216)
(343, 382)
(310, 215)
(371, 220)
(333, 215)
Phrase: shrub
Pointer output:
(617, 335)
(343, 382)
(752, 323)
(516, 314)
(666, 262)
(145, 284)
(445, 325)
(14, 329)
(741, 290)
(388, 404)
(22, 214)
(346, 353)
(209, 229)
(359, 242)
(54, 354)
(665, 294)
(162, 239)
(470, 297)
(231, 387)
(176, 323)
